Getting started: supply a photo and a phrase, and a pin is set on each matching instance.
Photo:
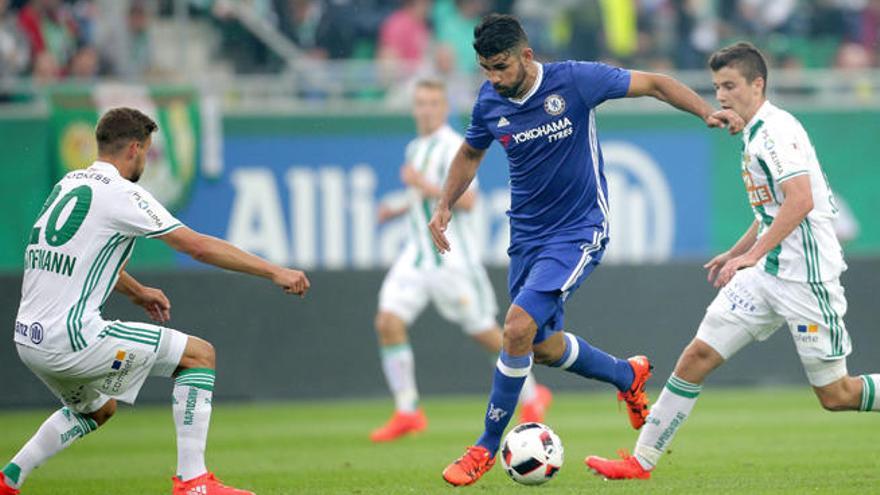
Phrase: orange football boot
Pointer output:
(625, 468)
(206, 484)
(470, 467)
(4, 488)
(636, 399)
(400, 424)
(533, 411)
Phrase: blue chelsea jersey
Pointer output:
(557, 181)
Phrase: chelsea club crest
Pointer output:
(554, 104)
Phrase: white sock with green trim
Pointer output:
(57, 433)
(870, 386)
(667, 415)
(399, 366)
(192, 396)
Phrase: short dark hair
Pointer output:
(498, 33)
(742, 56)
(119, 126)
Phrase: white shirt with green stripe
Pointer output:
(82, 237)
(431, 156)
(776, 148)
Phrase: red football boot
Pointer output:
(400, 424)
(470, 467)
(636, 399)
(4, 488)
(625, 468)
(206, 484)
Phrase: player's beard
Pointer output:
(514, 90)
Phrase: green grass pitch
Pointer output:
(737, 441)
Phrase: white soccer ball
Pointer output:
(531, 454)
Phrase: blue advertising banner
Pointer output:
(310, 200)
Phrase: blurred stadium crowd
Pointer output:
(53, 40)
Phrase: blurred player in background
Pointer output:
(784, 270)
(544, 117)
(78, 249)
(457, 284)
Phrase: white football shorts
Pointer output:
(754, 304)
(461, 292)
(114, 366)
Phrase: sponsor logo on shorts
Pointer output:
(34, 331)
(37, 333)
(807, 333)
(21, 329)
(117, 363)
(809, 328)
(739, 297)
(121, 366)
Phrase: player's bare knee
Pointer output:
(208, 355)
(199, 353)
(390, 329)
(383, 325)
(104, 414)
(518, 331)
(517, 339)
(697, 361)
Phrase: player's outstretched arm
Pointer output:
(217, 252)
(461, 174)
(795, 207)
(153, 300)
(673, 92)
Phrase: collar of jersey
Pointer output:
(534, 86)
(436, 133)
(759, 115)
(105, 166)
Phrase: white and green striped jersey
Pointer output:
(431, 155)
(82, 237)
(776, 148)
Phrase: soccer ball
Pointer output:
(531, 454)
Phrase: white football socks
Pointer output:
(666, 417)
(398, 364)
(57, 433)
(870, 385)
(192, 395)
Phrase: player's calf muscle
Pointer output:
(199, 353)
(842, 395)
(104, 414)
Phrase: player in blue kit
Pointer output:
(544, 117)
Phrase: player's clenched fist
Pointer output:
(437, 226)
(726, 118)
(292, 281)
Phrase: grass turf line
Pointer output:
(737, 441)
